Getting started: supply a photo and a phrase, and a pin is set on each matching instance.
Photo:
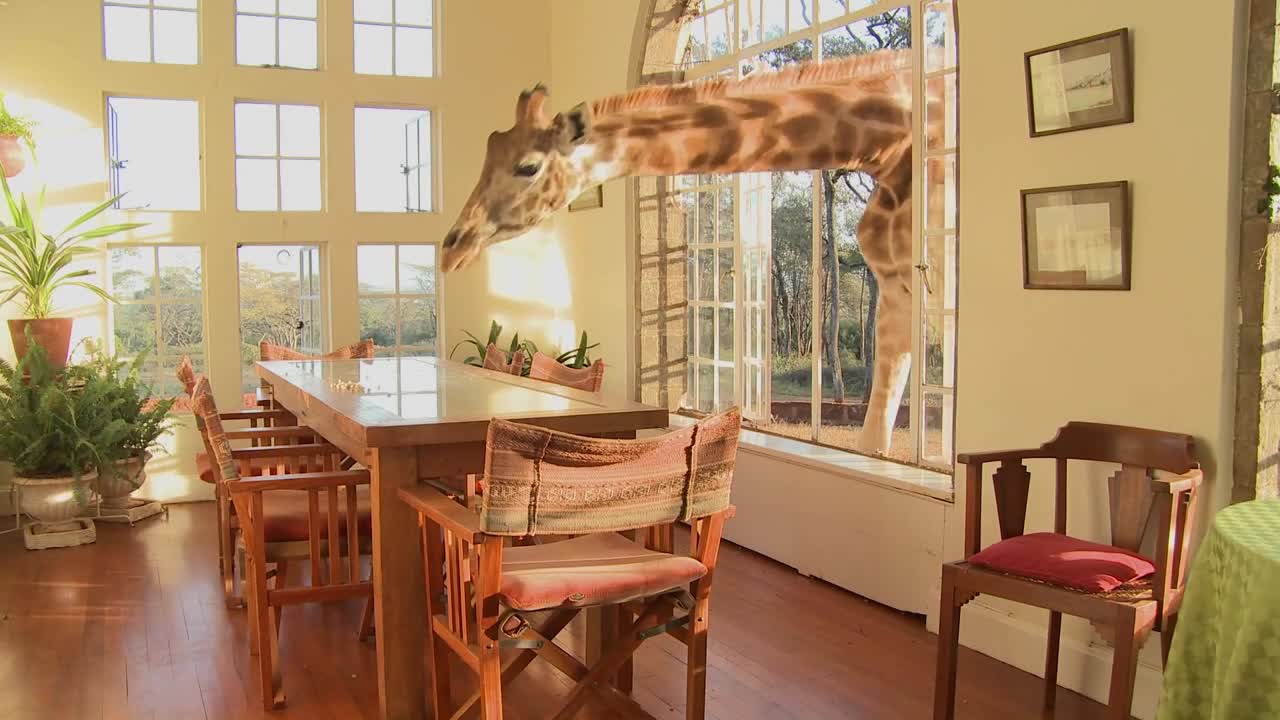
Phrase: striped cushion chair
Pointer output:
(313, 510)
(547, 368)
(495, 359)
(362, 350)
(604, 492)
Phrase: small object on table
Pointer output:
(1226, 655)
(347, 386)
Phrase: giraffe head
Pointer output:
(530, 171)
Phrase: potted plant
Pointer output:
(14, 130)
(576, 358)
(55, 431)
(37, 265)
(125, 400)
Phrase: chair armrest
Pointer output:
(284, 451)
(1190, 480)
(268, 433)
(299, 481)
(432, 503)
(256, 414)
(980, 458)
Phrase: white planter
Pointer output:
(53, 499)
(117, 484)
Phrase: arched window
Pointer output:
(779, 307)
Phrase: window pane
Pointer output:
(181, 272)
(300, 131)
(413, 52)
(126, 34)
(724, 348)
(158, 142)
(727, 399)
(939, 421)
(832, 9)
(940, 276)
(257, 6)
(940, 112)
(378, 321)
(298, 43)
(132, 273)
(418, 325)
(298, 8)
(801, 15)
(374, 269)
(256, 184)
(707, 275)
(176, 39)
(775, 18)
(706, 388)
(299, 185)
(940, 38)
(719, 32)
(187, 4)
(940, 193)
(373, 49)
(381, 135)
(181, 331)
(418, 269)
(706, 218)
(135, 329)
(272, 283)
(706, 333)
(413, 12)
(372, 10)
(726, 272)
(255, 40)
(255, 129)
(792, 321)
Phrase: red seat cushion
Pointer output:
(287, 514)
(1065, 561)
(205, 468)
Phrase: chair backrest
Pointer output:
(495, 359)
(540, 481)
(362, 350)
(547, 368)
(186, 374)
(212, 432)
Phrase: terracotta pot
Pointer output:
(52, 334)
(116, 485)
(12, 159)
(53, 499)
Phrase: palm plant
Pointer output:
(38, 264)
(575, 358)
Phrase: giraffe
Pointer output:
(853, 113)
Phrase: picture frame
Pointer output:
(1077, 237)
(1080, 84)
(591, 198)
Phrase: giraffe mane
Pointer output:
(872, 66)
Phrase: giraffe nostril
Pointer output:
(451, 239)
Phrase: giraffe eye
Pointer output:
(527, 169)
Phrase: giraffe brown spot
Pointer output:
(783, 159)
(879, 110)
(699, 161)
(608, 128)
(710, 116)
(754, 109)
(727, 144)
(642, 132)
(662, 159)
(846, 135)
(821, 157)
(823, 101)
(800, 128)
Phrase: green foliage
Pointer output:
(11, 124)
(38, 264)
(1266, 205)
(128, 400)
(52, 423)
(576, 357)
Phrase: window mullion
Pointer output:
(815, 306)
(917, 411)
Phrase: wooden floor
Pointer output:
(134, 627)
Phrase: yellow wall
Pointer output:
(53, 68)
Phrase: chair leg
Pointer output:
(282, 579)
(486, 588)
(626, 674)
(696, 690)
(265, 629)
(1051, 660)
(230, 560)
(1131, 630)
(944, 688)
(366, 620)
(433, 556)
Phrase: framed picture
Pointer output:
(1081, 84)
(592, 197)
(1076, 237)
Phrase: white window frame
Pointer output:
(115, 163)
(394, 24)
(157, 300)
(413, 164)
(917, 388)
(276, 17)
(279, 158)
(398, 295)
(151, 6)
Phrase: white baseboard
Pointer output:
(1082, 667)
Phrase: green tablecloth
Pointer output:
(1225, 660)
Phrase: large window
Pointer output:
(393, 160)
(277, 156)
(782, 307)
(399, 300)
(158, 31)
(281, 302)
(394, 37)
(277, 33)
(160, 311)
(154, 153)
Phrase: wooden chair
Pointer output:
(1158, 479)
(540, 482)
(281, 519)
(548, 369)
(266, 427)
(362, 350)
(495, 359)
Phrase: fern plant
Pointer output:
(15, 126)
(129, 400)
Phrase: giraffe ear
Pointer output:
(573, 126)
(529, 106)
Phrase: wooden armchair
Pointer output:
(280, 519)
(495, 359)
(539, 482)
(547, 368)
(1158, 479)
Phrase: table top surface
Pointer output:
(418, 392)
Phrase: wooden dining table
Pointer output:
(413, 419)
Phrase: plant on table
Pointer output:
(577, 357)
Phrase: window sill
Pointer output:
(885, 473)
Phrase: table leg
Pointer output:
(399, 597)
